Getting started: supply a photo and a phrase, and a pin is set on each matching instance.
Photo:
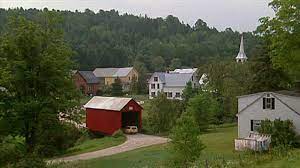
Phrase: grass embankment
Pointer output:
(91, 145)
(219, 144)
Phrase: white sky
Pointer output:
(240, 15)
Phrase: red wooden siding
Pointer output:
(82, 84)
(103, 121)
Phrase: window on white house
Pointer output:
(157, 86)
(152, 86)
(269, 103)
(152, 94)
(192, 78)
(177, 94)
(155, 79)
(170, 94)
(255, 125)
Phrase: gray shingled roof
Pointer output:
(160, 75)
(112, 72)
(89, 77)
(174, 79)
(177, 79)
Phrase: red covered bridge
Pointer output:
(108, 114)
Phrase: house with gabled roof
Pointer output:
(171, 83)
(254, 108)
(86, 82)
(108, 76)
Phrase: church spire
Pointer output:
(241, 57)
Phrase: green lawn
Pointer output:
(219, 145)
(95, 144)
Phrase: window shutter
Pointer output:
(251, 125)
(273, 103)
(264, 103)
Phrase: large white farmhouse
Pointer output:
(254, 108)
(172, 83)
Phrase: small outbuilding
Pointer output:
(109, 114)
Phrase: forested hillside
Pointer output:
(108, 39)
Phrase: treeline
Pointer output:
(108, 39)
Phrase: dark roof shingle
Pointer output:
(89, 77)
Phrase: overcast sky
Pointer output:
(240, 15)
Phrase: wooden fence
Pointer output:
(254, 142)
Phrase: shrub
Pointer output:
(204, 107)
(162, 114)
(31, 161)
(11, 149)
(56, 139)
(118, 133)
(282, 133)
(186, 144)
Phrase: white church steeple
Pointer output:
(241, 57)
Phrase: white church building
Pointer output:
(241, 57)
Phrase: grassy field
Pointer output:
(219, 144)
(94, 144)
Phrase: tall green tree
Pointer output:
(204, 108)
(228, 80)
(283, 33)
(265, 77)
(38, 62)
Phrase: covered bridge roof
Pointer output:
(107, 103)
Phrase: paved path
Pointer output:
(133, 142)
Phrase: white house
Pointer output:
(172, 84)
(254, 108)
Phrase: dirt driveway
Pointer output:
(132, 142)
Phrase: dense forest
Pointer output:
(108, 39)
